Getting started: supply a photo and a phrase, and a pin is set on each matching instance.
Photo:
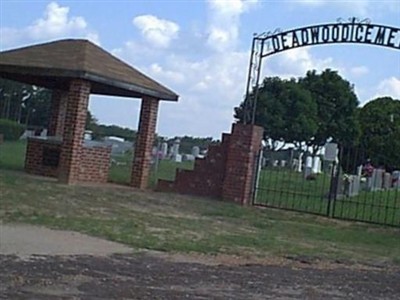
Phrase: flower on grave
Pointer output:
(346, 178)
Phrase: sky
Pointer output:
(201, 48)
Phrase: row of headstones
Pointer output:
(379, 180)
(313, 165)
(350, 185)
(172, 153)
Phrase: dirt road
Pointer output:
(143, 276)
(55, 266)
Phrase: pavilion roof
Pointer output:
(54, 64)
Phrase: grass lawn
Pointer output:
(288, 189)
(175, 223)
(12, 157)
(121, 173)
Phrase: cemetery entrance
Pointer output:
(338, 182)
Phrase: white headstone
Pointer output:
(359, 170)
(195, 151)
(154, 151)
(178, 158)
(26, 134)
(43, 133)
(308, 167)
(300, 166)
(309, 162)
(175, 147)
(316, 165)
(164, 150)
(354, 185)
(295, 164)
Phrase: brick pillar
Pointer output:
(58, 108)
(244, 146)
(74, 129)
(144, 143)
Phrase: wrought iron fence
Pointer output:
(350, 187)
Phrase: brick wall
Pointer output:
(59, 100)
(74, 128)
(42, 155)
(95, 164)
(228, 170)
(144, 143)
(36, 150)
(206, 178)
(240, 163)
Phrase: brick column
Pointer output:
(244, 146)
(58, 108)
(144, 143)
(74, 129)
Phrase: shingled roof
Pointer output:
(53, 64)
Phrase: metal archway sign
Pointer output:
(353, 31)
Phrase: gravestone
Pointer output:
(117, 147)
(175, 149)
(196, 151)
(164, 150)
(396, 179)
(316, 165)
(26, 134)
(359, 170)
(154, 151)
(331, 151)
(376, 180)
(178, 158)
(387, 180)
(188, 157)
(353, 186)
(308, 167)
(300, 165)
(295, 164)
(43, 133)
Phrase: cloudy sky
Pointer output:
(200, 49)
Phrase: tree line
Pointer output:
(309, 111)
(23, 103)
(30, 106)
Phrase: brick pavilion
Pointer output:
(73, 69)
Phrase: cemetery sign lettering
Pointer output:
(352, 32)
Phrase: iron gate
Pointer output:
(350, 188)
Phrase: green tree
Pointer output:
(380, 126)
(285, 109)
(100, 131)
(336, 105)
(25, 104)
(91, 121)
